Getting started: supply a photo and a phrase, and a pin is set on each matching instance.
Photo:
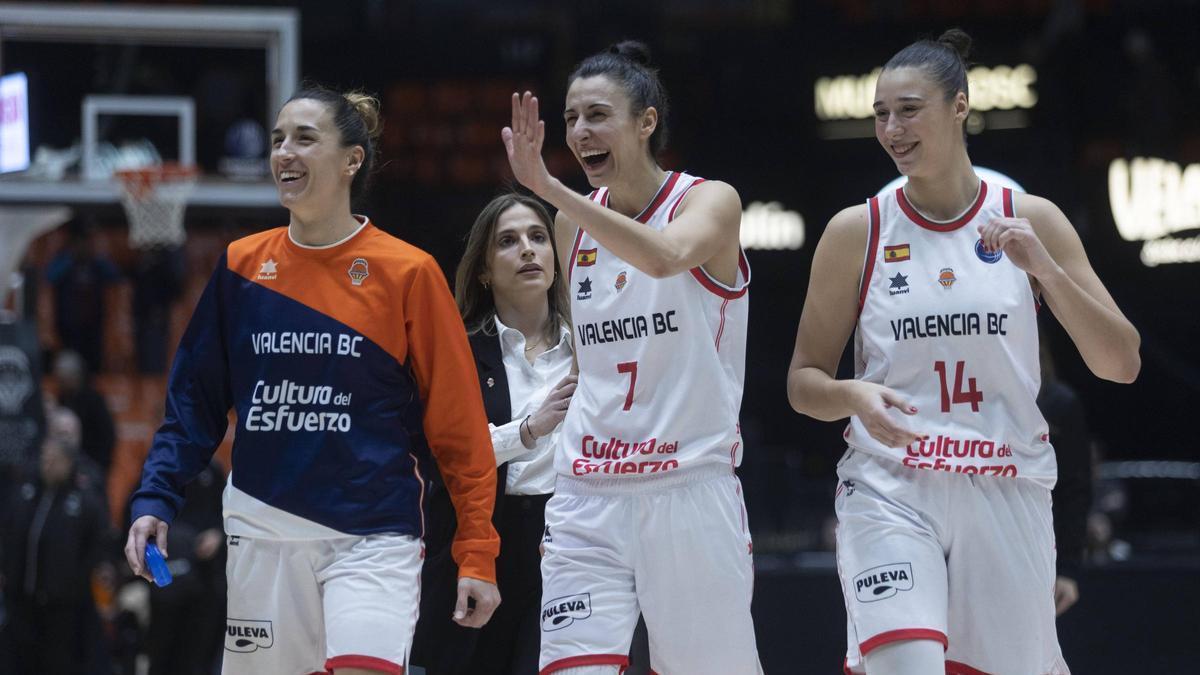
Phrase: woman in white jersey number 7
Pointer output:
(647, 513)
(945, 544)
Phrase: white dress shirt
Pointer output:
(530, 470)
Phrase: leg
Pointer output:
(371, 594)
(275, 622)
(1001, 569)
(890, 560)
(909, 657)
(509, 644)
(588, 601)
(441, 646)
(696, 578)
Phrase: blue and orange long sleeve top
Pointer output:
(347, 367)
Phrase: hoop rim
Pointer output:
(166, 171)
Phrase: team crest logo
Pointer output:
(622, 279)
(946, 277)
(358, 271)
(897, 253)
(586, 257)
(986, 257)
(585, 289)
(267, 271)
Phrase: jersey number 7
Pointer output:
(631, 368)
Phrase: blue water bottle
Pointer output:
(157, 564)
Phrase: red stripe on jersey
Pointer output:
(903, 634)
(924, 222)
(1008, 203)
(711, 284)
(365, 662)
(587, 660)
(671, 215)
(956, 668)
(721, 327)
(574, 252)
(663, 193)
(872, 250)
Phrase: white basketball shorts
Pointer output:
(677, 549)
(301, 607)
(965, 560)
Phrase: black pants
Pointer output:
(50, 639)
(510, 642)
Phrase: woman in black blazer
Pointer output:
(512, 297)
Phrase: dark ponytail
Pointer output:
(356, 116)
(944, 60)
(628, 64)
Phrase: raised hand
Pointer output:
(1016, 237)
(523, 142)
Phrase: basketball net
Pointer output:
(154, 198)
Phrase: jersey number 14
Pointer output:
(970, 395)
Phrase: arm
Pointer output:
(564, 242)
(455, 423)
(198, 401)
(1046, 246)
(829, 316)
(1073, 492)
(706, 226)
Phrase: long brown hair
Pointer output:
(475, 303)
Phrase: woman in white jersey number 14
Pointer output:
(945, 544)
(658, 286)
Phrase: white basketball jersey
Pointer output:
(954, 329)
(661, 361)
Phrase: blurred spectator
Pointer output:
(80, 277)
(54, 536)
(157, 282)
(76, 393)
(1072, 494)
(64, 425)
(187, 618)
(22, 418)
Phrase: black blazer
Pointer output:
(441, 521)
(440, 645)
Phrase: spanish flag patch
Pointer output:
(897, 253)
(585, 257)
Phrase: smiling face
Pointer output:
(604, 134)
(520, 259)
(312, 169)
(917, 127)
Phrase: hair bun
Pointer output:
(367, 107)
(633, 50)
(957, 40)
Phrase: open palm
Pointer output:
(523, 142)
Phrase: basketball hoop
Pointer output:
(154, 198)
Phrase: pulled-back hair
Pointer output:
(628, 64)
(475, 302)
(356, 116)
(944, 60)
